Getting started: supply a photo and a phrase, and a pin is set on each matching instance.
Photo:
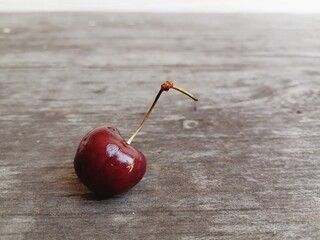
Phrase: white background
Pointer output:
(286, 6)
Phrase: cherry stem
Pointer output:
(164, 87)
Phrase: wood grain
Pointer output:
(243, 163)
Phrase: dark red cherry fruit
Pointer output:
(107, 164)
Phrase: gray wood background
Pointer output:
(243, 163)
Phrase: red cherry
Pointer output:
(109, 165)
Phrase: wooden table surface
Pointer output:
(243, 163)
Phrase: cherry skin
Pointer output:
(107, 164)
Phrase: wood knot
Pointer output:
(166, 86)
(189, 124)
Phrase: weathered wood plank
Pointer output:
(243, 163)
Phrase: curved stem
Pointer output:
(185, 92)
(164, 87)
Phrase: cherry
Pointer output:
(106, 163)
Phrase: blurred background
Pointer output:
(285, 6)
